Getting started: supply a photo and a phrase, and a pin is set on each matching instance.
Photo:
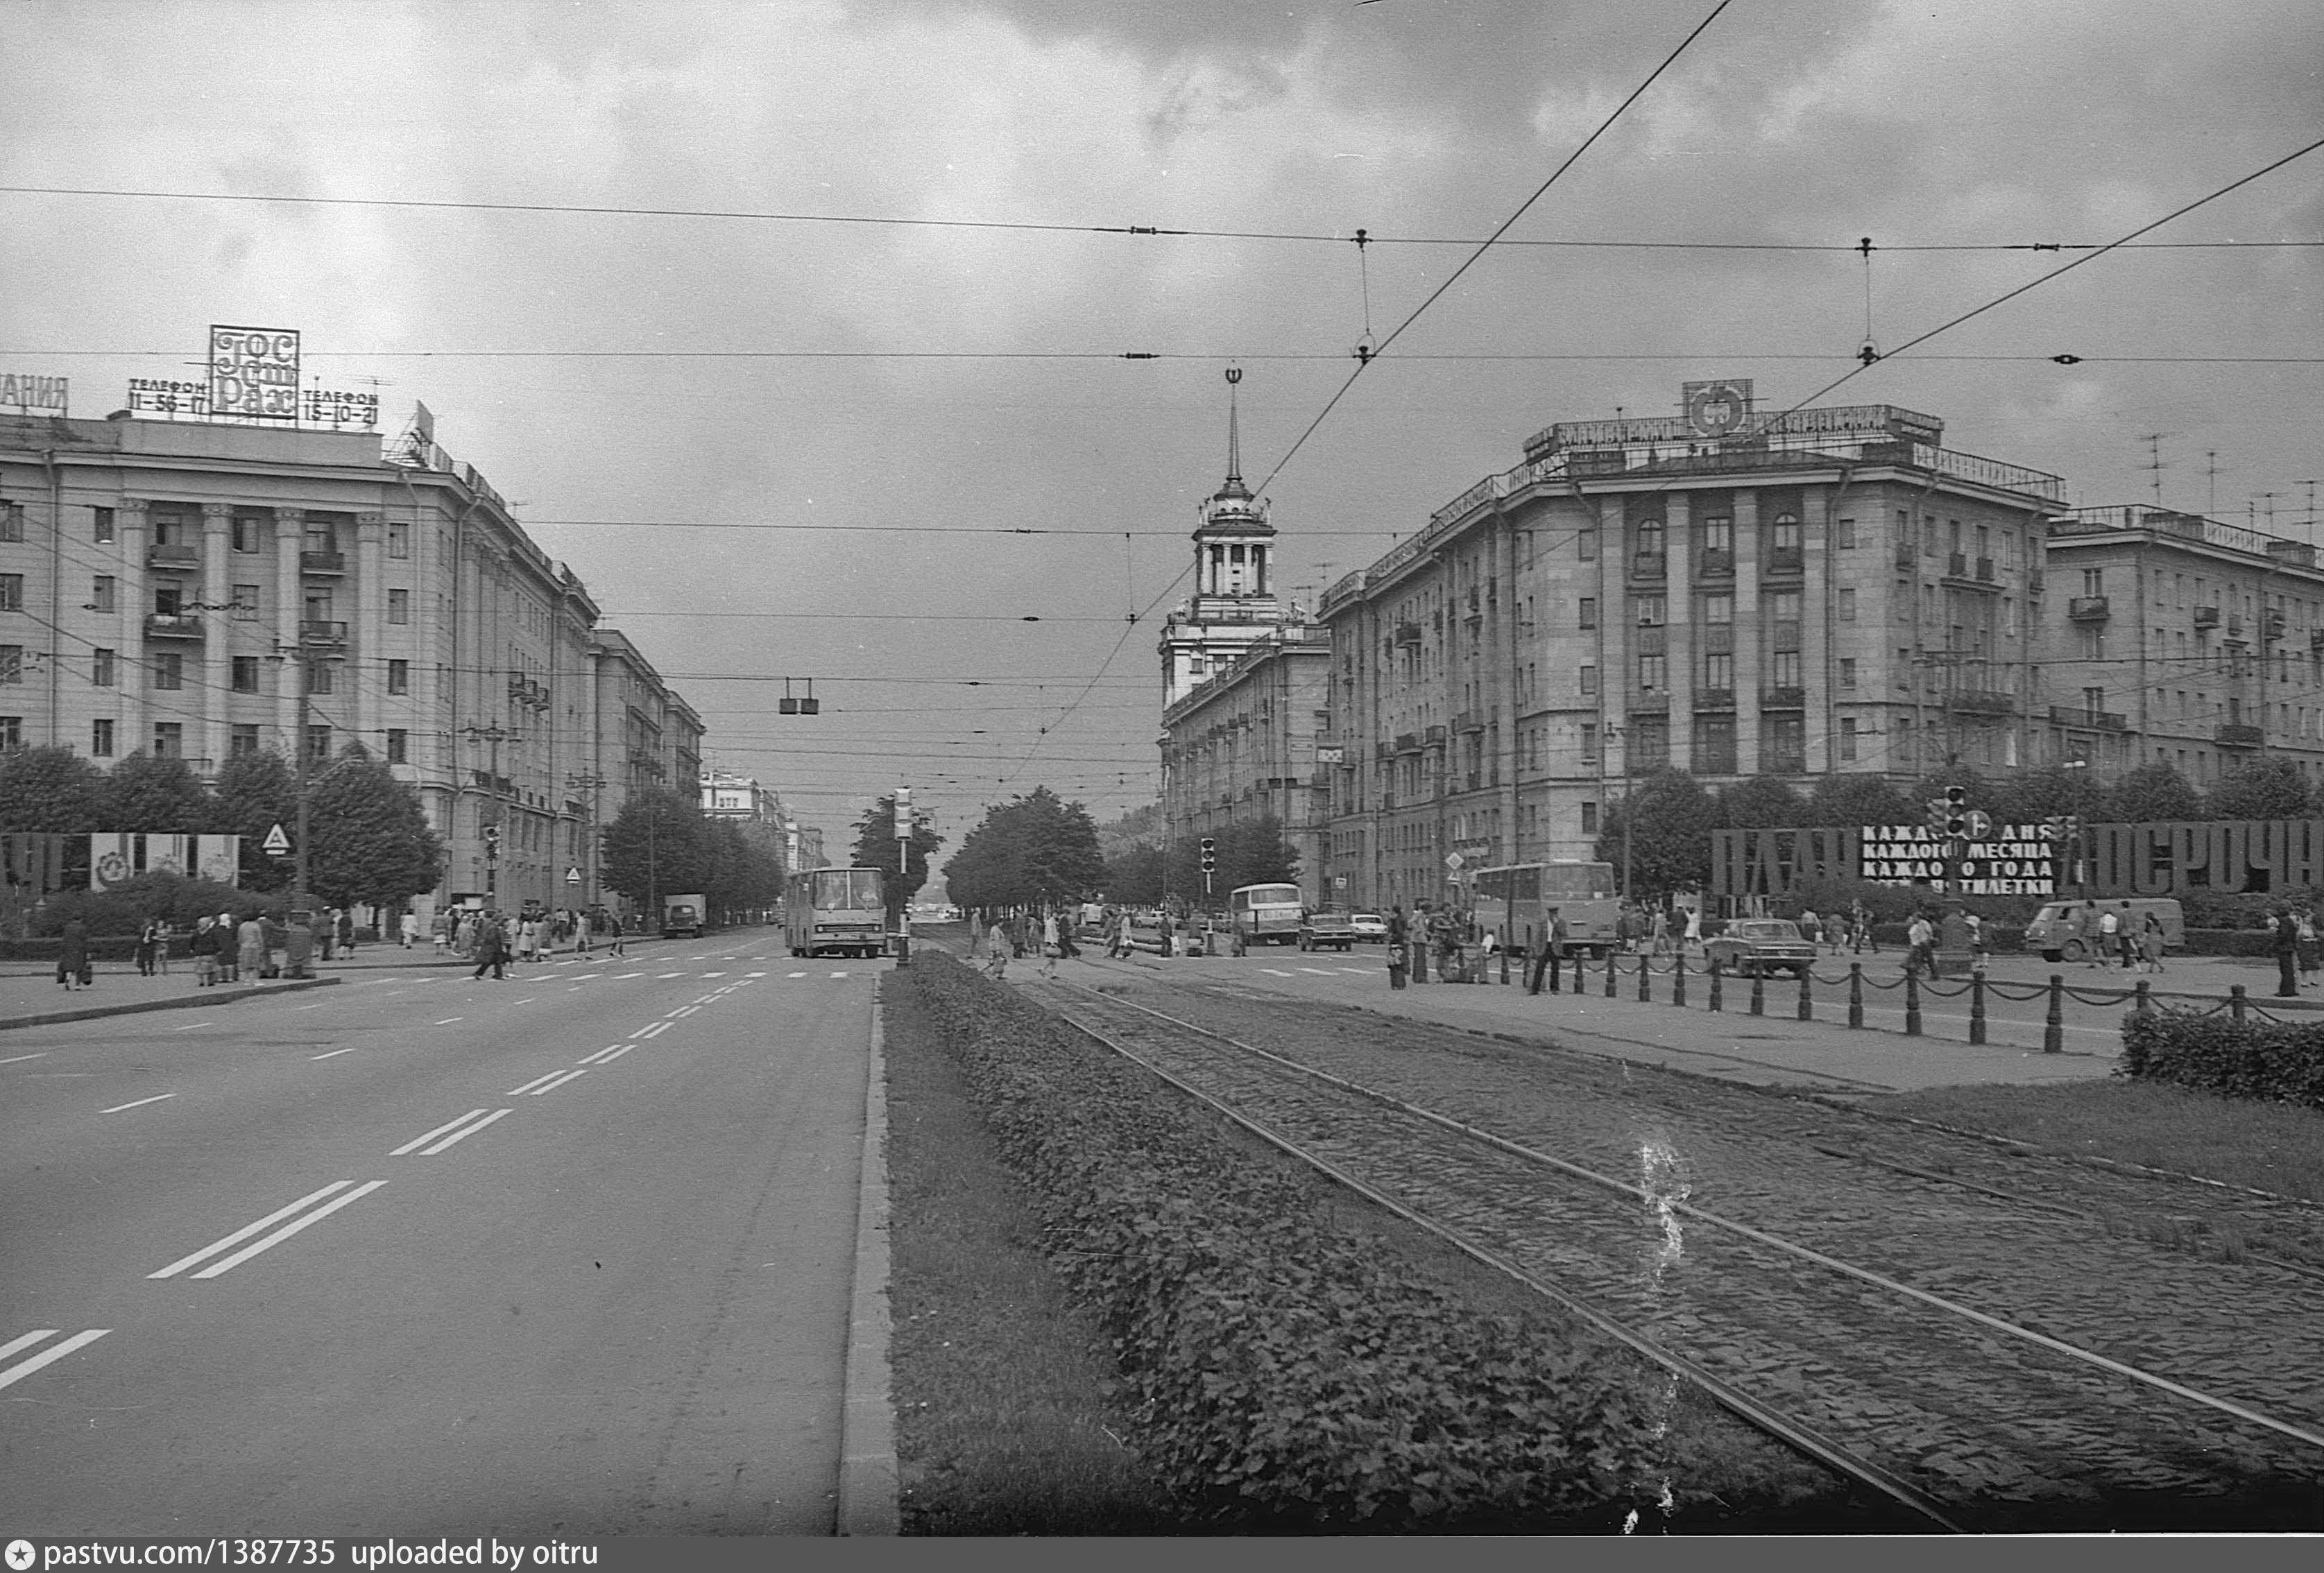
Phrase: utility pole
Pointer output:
(588, 786)
(495, 736)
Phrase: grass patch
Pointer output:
(1004, 1425)
(2267, 1146)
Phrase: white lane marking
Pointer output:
(1358, 971)
(465, 1133)
(24, 1368)
(141, 1103)
(756, 974)
(585, 976)
(716, 974)
(606, 1056)
(839, 974)
(1277, 971)
(655, 1031)
(619, 976)
(537, 1080)
(287, 1230)
(669, 975)
(26, 1342)
(1318, 971)
(528, 1000)
(684, 1010)
(19, 1059)
(449, 1020)
(335, 1053)
(431, 1136)
(189, 1026)
(795, 974)
(243, 1233)
(315, 1006)
(560, 1082)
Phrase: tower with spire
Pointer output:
(1234, 604)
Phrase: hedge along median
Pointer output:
(2268, 1062)
(1281, 1375)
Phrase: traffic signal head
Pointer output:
(1956, 811)
(1209, 854)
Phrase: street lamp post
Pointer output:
(588, 786)
(495, 736)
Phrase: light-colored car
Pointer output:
(1326, 930)
(1761, 944)
(1370, 928)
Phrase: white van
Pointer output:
(2052, 935)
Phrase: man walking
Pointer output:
(1398, 938)
(492, 951)
(1552, 955)
(2286, 946)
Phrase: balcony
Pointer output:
(1783, 560)
(1789, 696)
(2236, 735)
(321, 631)
(1904, 559)
(322, 562)
(1383, 749)
(1959, 573)
(2034, 581)
(1648, 566)
(2207, 617)
(1408, 743)
(1407, 633)
(184, 625)
(1715, 564)
(1983, 568)
(2271, 624)
(1656, 704)
(1982, 702)
(525, 691)
(1433, 737)
(2316, 639)
(2089, 609)
(1469, 721)
(1956, 565)
(1713, 699)
(2087, 720)
(173, 556)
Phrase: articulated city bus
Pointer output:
(1515, 899)
(837, 912)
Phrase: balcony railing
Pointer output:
(1787, 696)
(2271, 624)
(2088, 719)
(2207, 617)
(321, 631)
(1408, 743)
(1647, 565)
(1983, 702)
(1984, 569)
(2236, 735)
(1407, 633)
(1956, 565)
(1714, 699)
(1469, 721)
(174, 625)
(1434, 737)
(322, 562)
(1783, 560)
(173, 556)
(2089, 609)
(1714, 561)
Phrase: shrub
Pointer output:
(2266, 1062)
(1282, 1374)
(123, 908)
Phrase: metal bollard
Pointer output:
(1505, 956)
(1646, 976)
(1807, 1002)
(1678, 980)
(1613, 965)
(2235, 1002)
(2145, 1005)
(1977, 1007)
(1758, 992)
(1912, 1003)
(1718, 971)
(2053, 1029)
(1856, 994)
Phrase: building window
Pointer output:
(399, 677)
(1588, 680)
(1650, 743)
(12, 521)
(398, 540)
(318, 677)
(101, 520)
(245, 603)
(1848, 671)
(12, 663)
(1786, 536)
(101, 592)
(246, 532)
(1654, 674)
(243, 740)
(1589, 611)
(1585, 544)
(398, 746)
(1650, 536)
(1847, 533)
(1848, 606)
(12, 591)
(12, 732)
(1784, 745)
(100, 740)
(1589, 819)
(170, 671)
(1718, 543)
(398, 606)
(101, 667)
(1783, 670)
(1589, 744)
(1847, 740)
(1714, 745)
(245, 674)
(318, 744)
(1719, 671)
(2093, 581)
(1653, 611)
(169, 739)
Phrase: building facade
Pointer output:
(2173, 638)
(1825, 592)
(205, 590)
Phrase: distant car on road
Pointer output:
(1371, 927)
(1753, 945)
(1327, 931)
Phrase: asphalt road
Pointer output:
(420, 1255)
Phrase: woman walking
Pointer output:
(2150, 945)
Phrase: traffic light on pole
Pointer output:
(1209, 855)
(1957, 811)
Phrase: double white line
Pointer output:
(277, 1237)
(458, 1130)
(549, 1083)
(47, 1357)
(606, 1056)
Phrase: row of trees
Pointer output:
(371, 843)
(662, 844)
(1669, 815)
(1250, 851)
(877, 847)
(1032, 851)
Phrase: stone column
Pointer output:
(1816, 609)
(1616, 638)
(1679, 536)
(366, 669)
(217, 629)
(133, 667)
(1752, 634)
(290, 607)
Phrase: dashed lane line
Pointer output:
(619, 976)
(561, 1080)
(716, 974)
(243, 1233)
(19, 1059)
(335, 1053)
(449, 1020)
(1277, 971)
(669, 975)
(1318, 971)
(535, 1081)
(795, 974)
(684, 1010)
(464, 1133)
(655, 1031)
(1358, 971)
(189, 1026)
(606, 1056)
(47, 1357)
(839, 974)
(141, 1103)
(420, 1141)
(527, 999)
(755, 974)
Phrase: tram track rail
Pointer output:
(1965, 1415)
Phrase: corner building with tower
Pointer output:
(1825, 592)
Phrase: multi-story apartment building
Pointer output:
(206, 589)
(2170, 638)
(1795, 595)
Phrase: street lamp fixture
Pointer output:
(494, 736)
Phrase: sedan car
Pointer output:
(1761, 944)
(1369, 927)
(1326, 930)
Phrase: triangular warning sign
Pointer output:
(276, 843)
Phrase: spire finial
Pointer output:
(1234, 440)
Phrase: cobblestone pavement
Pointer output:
(2010, 1434)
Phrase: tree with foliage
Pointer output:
(254, 793)
(2268, 788)
(1668, 818)
(1031, 850)
(1858, 800)
(369, 841)
(875, 848)
(50, 792)
(747, 869)
(2153, 793)
(1762, 803)
(157, 796)
(659, 844)
(1134, 874)
(2052, 789)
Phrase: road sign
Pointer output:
(1980, 824)
(573, 876)
(1454, 861)
(276, 844)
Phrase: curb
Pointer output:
(175, 1002)
(867, 1476)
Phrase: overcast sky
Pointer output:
(673, 399)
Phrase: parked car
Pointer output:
(1753, 945)
(2051, 932)
(1371, 927)
(1327, 931)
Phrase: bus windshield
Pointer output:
(849, 889)
(1268, 896)
(1577, 880)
